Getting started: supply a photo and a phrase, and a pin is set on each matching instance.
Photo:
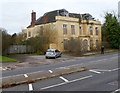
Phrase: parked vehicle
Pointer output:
(53, 53)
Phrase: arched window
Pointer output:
(85, 45)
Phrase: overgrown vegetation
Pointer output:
(111, 31)
(43, 40)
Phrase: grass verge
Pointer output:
(6, 59)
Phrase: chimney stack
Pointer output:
(33, 18)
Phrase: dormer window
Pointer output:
(63, 13)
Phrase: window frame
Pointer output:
(73, 29)
(64, 29)
(41, 30)
(80, 30)
(91, 30)
(97, 30)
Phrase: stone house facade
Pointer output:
(67, 25)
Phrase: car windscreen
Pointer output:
(50, 51)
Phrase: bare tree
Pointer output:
(51, 34)
(44, 39)
(75, 46)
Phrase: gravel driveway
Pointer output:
(33, 61)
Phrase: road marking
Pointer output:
(66, 82)
(115, 69)
(21, 74)
(95, 71)
(86, 63)
(30, 87)
(101, 70)
(62, 68)
(25, 75)
(50, 71)
(63, 79)
(116, 91)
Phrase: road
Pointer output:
(101, 76)
(83, 61)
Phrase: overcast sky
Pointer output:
(15, 15)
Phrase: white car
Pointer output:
(53, 53)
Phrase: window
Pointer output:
(96, 29)
(65, 44)
(91, 44)
(64, 29)
(25, 34)
(97, 43)
(91, 30)
(41, 30)
(29, 34)
(80, 30)
(85, 45)
(72, 29)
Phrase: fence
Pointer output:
(19, 49)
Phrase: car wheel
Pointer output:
(60, 55)
(46, 57)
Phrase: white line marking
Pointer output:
(101, 70)
(62, 68)
(115, 69)
(66, 82)
(30, 87)
(63, 79)
(50, 71)
(25, 75)
(65, 67)
(117, 90)
(95, 71)
(87, 63)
